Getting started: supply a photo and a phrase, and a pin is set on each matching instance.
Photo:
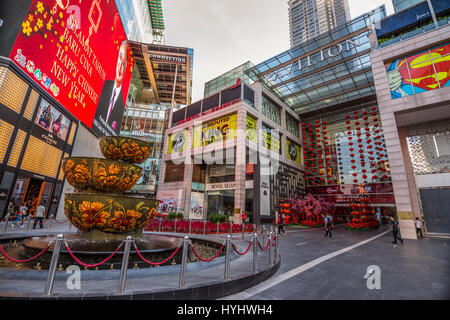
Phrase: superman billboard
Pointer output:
(419, 72)
(77, 51)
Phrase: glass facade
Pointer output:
(403, 4)
(228, 79)
(315, 74)
(419, 72)
(35, 135)
(147, 122)
(271, 110)
(292, 126)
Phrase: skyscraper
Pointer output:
(309, 18)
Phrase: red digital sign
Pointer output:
(78, 52)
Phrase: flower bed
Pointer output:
(197, 227)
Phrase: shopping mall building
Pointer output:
(355, 138)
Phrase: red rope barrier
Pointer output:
(4, 219)
(267, 247)
(56, 220)
(156, 263)
(208, 260)
(26, 260)
(234, 247)
(91, 265)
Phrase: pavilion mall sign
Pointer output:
(303, 61)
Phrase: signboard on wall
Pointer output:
(220, 129)
(264, 187)
(177, 142)
(271, 139)
(169, 200)
(293, 151)
(250, 129)
(53, 121)
(197, 202)
(77, 51)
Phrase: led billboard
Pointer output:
(78, 52)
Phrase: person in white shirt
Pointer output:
(39, 216)
(418, 227)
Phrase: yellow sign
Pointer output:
(221, 129)
(177, 141)
(271, 139)
(251, 129)
(293, 151)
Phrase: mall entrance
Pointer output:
(31, 191)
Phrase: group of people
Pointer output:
(328, 224)
(24, 209)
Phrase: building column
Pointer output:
(188, 171)
(240, 165)
(402, 192)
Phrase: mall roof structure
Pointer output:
(330, 69)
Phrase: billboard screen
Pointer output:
(78, 52)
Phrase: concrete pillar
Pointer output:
(398, 174)
(240, 166)
(188, 171)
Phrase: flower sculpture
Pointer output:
(99, 203)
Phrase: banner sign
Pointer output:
(177, 142)
(251, 129)
(271, 139)
(293, 151)
(77, 51)
(221, 129)
(197, 209)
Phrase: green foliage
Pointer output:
(222, 218)
(180, 215)
(213, 218)
(171, 216)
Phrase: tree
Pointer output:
(308, 207)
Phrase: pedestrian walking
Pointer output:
(395, 230)
(39, 216)
(328, 222)
(418, 227)
(280, 223)
(21, 215)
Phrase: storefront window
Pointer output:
(249, 205)
(221, 202)
(221, 173)
(174, 172)
(292, 126)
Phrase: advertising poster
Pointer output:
(221, 129)
(169, 201)
(251, 129)
(293, 151)
(177, 142)
(196, 211)
(419, 72)
(78, 52)
(52, 120)
(264, 186)
(271, 139)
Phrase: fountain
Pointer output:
(103, 215)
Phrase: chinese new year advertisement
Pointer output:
(77, 51)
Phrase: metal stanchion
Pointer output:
(182, 279)
(6, 223)
(204, 227)
(227, 259)
(159, 228)
(124, 266)
(276, 245)
(217, 227)
(255, 252)
(270, 249)
(243, 230)
(231, 228)
(53, 263)
(255, 230)
(50, 223)
(175, 228)
(190, 226)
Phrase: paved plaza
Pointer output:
(312, 267)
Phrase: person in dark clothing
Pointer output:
(281, 224)
(328, 223)
(395, 230)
